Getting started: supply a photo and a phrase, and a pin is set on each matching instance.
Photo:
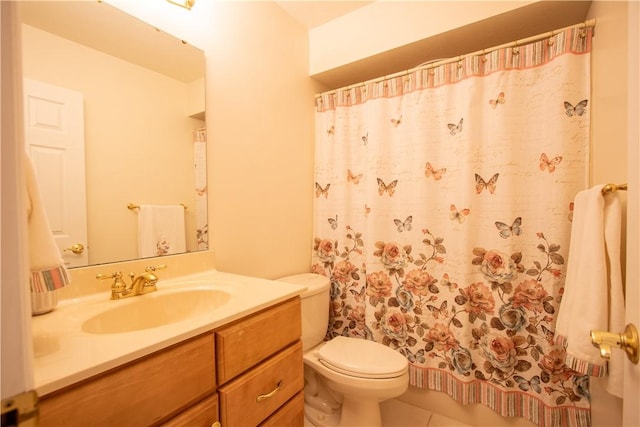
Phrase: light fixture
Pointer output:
(187, 4)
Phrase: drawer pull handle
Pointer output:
(262, 397)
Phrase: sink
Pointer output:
(154, 310)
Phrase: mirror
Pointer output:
(143, 106)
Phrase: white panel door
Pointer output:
(54, 136)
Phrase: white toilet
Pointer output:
(345, 378)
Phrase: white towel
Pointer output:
(161, 230)
(48, 272)
(593, 298)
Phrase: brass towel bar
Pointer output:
(132, 206)
(612, 188)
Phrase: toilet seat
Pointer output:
(361, 358)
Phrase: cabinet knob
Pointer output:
(216, 424)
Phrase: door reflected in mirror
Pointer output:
(142, 125)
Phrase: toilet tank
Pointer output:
(315, 307)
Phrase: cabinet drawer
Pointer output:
(240, 404)
(140, 393)
(249, 341)
(290, 415)
(202, 414)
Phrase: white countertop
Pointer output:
(65, 354)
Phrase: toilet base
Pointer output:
(360, 412)
(356, 412)
(320, 418)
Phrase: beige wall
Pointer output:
(260, 121)
(127, 116)
(404, 22)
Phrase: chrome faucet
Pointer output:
(139, 285)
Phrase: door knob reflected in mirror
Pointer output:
(77, 249)
(627, 341)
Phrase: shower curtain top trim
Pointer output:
(574, 40)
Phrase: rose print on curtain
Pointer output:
(441, 218)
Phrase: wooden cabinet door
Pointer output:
(243, 344)
(290, 415)
(202, 414)
(143, 392)
(252, 397)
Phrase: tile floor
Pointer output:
(399, 414)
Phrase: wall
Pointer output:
(260, 113)
(609, 98)
(403, 22)
(416, 32)
(122, 101)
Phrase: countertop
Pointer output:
(64, 354)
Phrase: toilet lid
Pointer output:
(362, 358)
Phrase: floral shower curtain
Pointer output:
(202, 194)
(442, 216)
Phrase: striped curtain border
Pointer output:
(576, 40)
(505, 403)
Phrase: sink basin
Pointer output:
(154, 310)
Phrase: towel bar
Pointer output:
(132, 206)
(612, 188)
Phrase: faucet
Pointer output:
(144, 283)
(139, 285)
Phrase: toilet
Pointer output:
(345, 378)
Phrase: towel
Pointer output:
(593, 297)
(48, 272)
(161, 230)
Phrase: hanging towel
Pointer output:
(593, 298)
(161, 230)
(48, 272)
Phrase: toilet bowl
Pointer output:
(345, 378)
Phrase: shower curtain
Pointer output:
(202, 194)
(442, 213)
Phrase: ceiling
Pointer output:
(314, 13)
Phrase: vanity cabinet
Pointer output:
(260, 368)
(246, 373)
(143, 392)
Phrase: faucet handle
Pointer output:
(117, 275)
(118, 287)
(154, 268)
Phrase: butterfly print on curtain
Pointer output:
(389, 189)
(507, 231)
(490, 185)
(578, 110)
(454, 129)
(322, 191)
(499, 100)
(549, 164)
(431, 172)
